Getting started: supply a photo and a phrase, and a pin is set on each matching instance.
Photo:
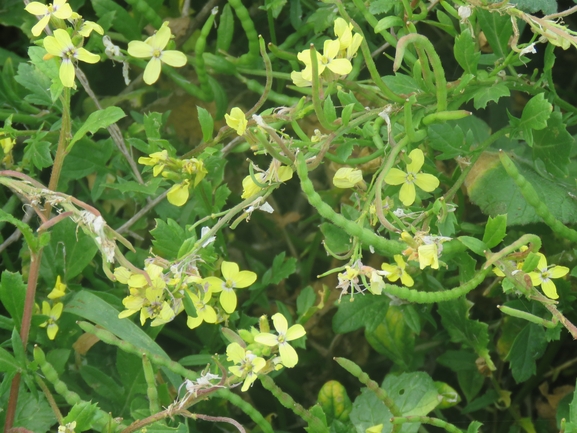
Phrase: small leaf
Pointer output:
(24, 228)
(497, 29)
(495, 231)
(168, 237)
(388, 22)
(83, 413)
(553, 145)
(97, 120)
(336, 239)
(225, 30)
(305, 300)
(335, 402)
(206, 122)
(529, 345)
(466, 53)
(364, 310)
(7, 362)
(477, 246)
(329, 110)
(490, 93)
(536, 113)
(12, 295)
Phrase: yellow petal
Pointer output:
(340, 66)
(173, 58)
(52, 330)
(178, 194)
(228, 301)
(428, 256)
(294, 332)
(67, 73)
(235, 353)
(52, 46)
(542, 262)
(407, 194)
(299, 81)
(280, 323)
(395, 177)
(331, 48)
(407, 280)
(244, 279)
(549, 289)
(139, 50)
(288, 355)
(160, 39)
(64, 11)
(229, 270)
(87, 56)
(417, 160)
(193, 322)
(36, 8)
(427, 182)
(558, 271)
(56, 311)
(152, 71)
(40, 25)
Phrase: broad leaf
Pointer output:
(529, 345)
(335, 402)
(363, 310)
(97, 120)
(495, 231)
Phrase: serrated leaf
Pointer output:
(365, 310)
(206, 123)
(490, 93)
(497, 29)
(450, 140)
(148, 189)
(34, 414)
(529, 345)
(335, 402)
(553, 145)
(393, 338)
(168, 236)
(29, 236)
(536, 113)
(381, 6)
(495, 231)
(97, 120)
(122, 20)
(280, 270)
(83, 414)
(38, 152)
(474, 244)
(455, 319)
(336, 240)
(466, 52)
(402, 84)
(546, 6)
(36, 82)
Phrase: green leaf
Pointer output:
(12, 295)
(495, 231)
(34, 414)
(506, 199)
(455, 319)
(474, 244)
(362, 310)
(402, 84)
(490, 93)
(336, 239)
(458, 360)
(388, 22)
(70, 250)
(450, 140)
(305, 300)
(474, 427)
(8, 363)
(466, 53)
(97, 120)
(34, 80)
(102, 384)
(553, 145)
(280, 270)
(206, 123)
(414, 394)
(471, 383)
(122, 22)
(168, 236)
(38, 151)
(529, 345)
(393, 338)
(83, 413)
(335, 402)
(532, 6)
(377, 7)
(449, 396)
(131, 375)
(329, 110)
(148, 189)
(225, 31)
(29, 236)
(497, 29)
(318, 423)
(536, 113)
(86, 158)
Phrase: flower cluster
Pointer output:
(160, 294)
(249, 351)
(335, 58)
(187, 172)
(276, 173)
(53, 309)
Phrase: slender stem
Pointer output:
(63, 141)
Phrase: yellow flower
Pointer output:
(281, 174)
(153, 48)
(288, 354)
(233, 279)
(178, 194)
(204, 312)
(347, 177)
(428, 256)
(7, 145)
(236, 120)
(299, 81)
(398, 271)
(194, 167)
(59, 9)
(60, 45)
(427, 182)
(249, 364)
(375, 429)
(59, 289)
(157, 159)
(88, 27)
(326, 60)
(349, 43)
(53, 314)
(544, 274)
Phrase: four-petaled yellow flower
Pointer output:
(236, 120)
(248, 364)
(326, 60)
(349, 43)
(204, 312)
(250, 188)
(59, 289)
(157, 160)
(90, 26)
(427, 182)
(398, 271)
(347, 177)
(543, 275)
(59, 9)
(60, 45)
(288, 354)
(53, 314)
(153, 48)
(233, 279)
